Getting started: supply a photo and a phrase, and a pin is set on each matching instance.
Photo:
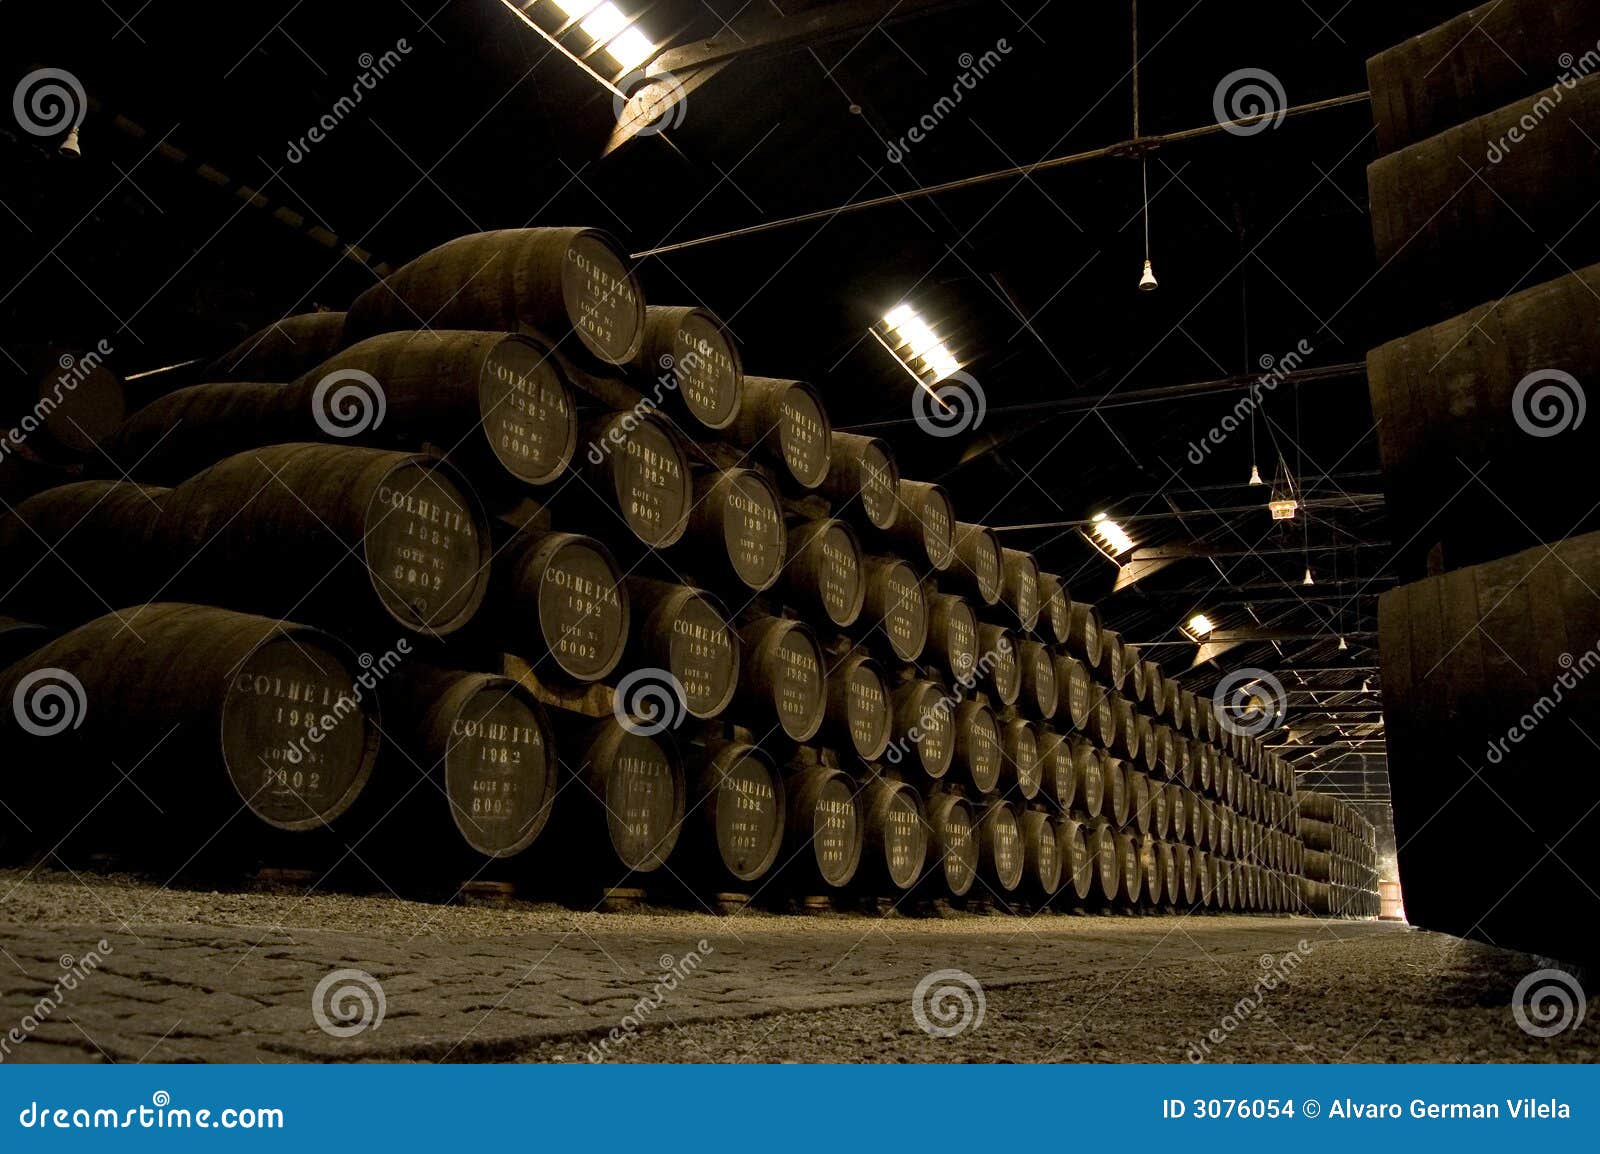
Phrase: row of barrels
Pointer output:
(1340, 856)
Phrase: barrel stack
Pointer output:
(1341, 857)
(1482, 213)
(552, 592)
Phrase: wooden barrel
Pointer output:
(18, 639)
(282, 351)
(859, 717)
(1055, 609)
(1092, 779)
(1130, 870)
(863, 480)
(1102, 844)
(625, 813)
(1112, 668)
(1019, 759)
(495, 404)
(1083, 642)
(1160, 810)
(1041, 694)
(924, 727)
(895, 607)
(953, 636)
(1449, 237)
(688, 633)
(1184, 857)
(1148, 755)
(784, 676)
(784, 423)
(825, 831)
(75, 407)
(1316, 835)
(1171, 881)
(1041, 854)
(734, 827)
(1021, 592)
(472, 757)
(1076, 862)
(1177, 811)
(1000, 851)
(1105, 719)
(924, 524)
(693, 362)
(999, 664)
(345, 536)
(1178, 703)
(1134, 684)
(978, 750)
(1157, 689)
(560, 603)
(978, 566)
(178, 435)
(1127, 741)
(1165, 752)
(1151, 887)
(823, 572)
(1139, 808)
(59, 547)
(1118, 789)
(896, 836)
(637, 468)
(1078, 698)
(1204, 880)
(573, 285)
(1058, 779)
(248, 711)
(1487, 57)
(952, 842)
(736, 528)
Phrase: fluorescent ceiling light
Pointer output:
(1200, 625)
(604, 22)
(1112, 535)
(918, 347)
(630, 49)
(575, 8)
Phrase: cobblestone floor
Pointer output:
(192, 975)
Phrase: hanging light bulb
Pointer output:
(69, 146)
(1343, 644)
(1255, 475)
(1147, 282)
(1308, 578)
(1366, 685)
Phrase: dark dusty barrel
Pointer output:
(694, 363)
(1150, 870)
(1058, 779)
(638, 469)
(76, 408)
(1102, 844)
(825, 827)
(283, 350)
(924, 524)
(1139, 808)
(859, 717)
(1148, 755)
(952, 636)
(1130, 870)
(560, 602)
(1178, 703)
(1157, 688)
(1055, 609)
(58, 544)
(1099, 782)
(895, 607)
(1160, 810)
(1487, 57)
(190, 429)
(1448, 407)
(863, 480)
(1041, 695)
(1128, 739)
(573, 285)
(784, 676)
(1000, 852)
(1105, 720)
(1134, 683)
(734, 831)
(978, 565)
(1021, 595)
(823, 571)
(1316, 835)
(924, 729)
(896, 835)
(736, 528)
(266, 714)
(340, 535)
(999, 663)
(1041, 854)
(1019, 760)
(1112, 667)
(487, 749)
(1076, 690)
(1450, 237)
(784, 422)
(626, 814)
(688, 633)
(1077, 864)
(952, 842)
(1178, 811)
(1083, 642)
(978, 751)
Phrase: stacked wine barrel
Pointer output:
(1483, 215)
(552, 591)
(1341, 857)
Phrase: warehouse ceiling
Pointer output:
(205, 206)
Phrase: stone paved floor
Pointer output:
(195, 975)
